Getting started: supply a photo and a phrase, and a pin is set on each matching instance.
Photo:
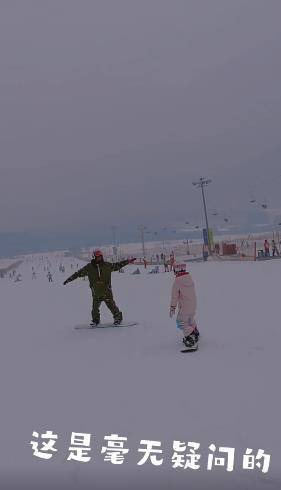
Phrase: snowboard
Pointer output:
(104, 325)
(189, 350)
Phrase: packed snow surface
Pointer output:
(134, 381)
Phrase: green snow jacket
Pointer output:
(99, 275)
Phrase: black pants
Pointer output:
(111, 305)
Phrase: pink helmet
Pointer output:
(179, 268)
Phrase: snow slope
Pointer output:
(134, 381)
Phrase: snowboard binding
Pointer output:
(94, 324)
(117, 322)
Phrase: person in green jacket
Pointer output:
(99, 275)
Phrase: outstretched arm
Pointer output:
(116, 266)
(81, 273)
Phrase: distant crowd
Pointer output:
(274, 249)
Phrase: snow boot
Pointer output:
(190, 342)
(196, 334)
(118, 319)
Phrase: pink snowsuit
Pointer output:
(184, 296)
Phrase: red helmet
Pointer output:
(97, 253)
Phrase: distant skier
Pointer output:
(99, 274)
(155, 270)
(274, 248)
(137, 271)
(266, 248)
(172, 261)
(217, 249)
(50, 277)
(184, 296)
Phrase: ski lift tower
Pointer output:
(115, 249)
(142, 230)
(201, 184)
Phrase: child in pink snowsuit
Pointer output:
(184, 296)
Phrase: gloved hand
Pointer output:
(65, 282)
(131, 260)
(172, 311)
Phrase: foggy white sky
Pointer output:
(110, 108)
